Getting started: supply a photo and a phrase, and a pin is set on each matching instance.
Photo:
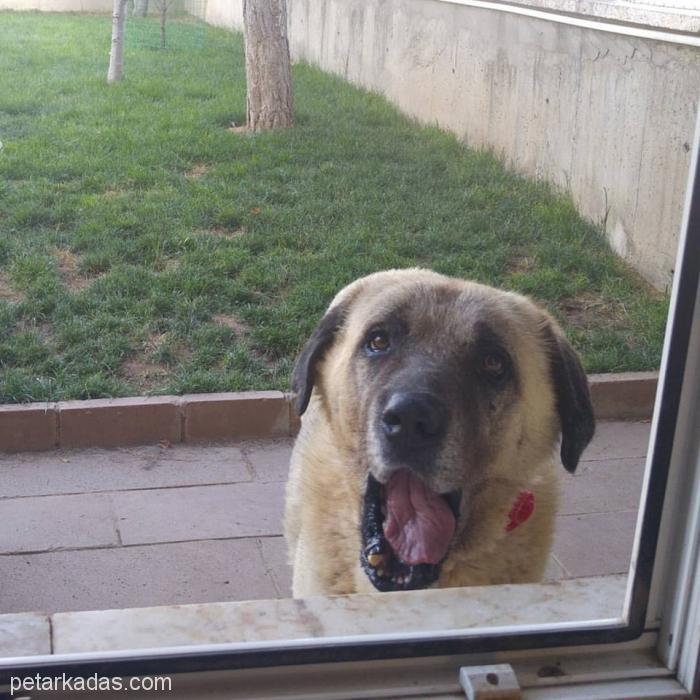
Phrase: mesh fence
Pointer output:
(166, 24)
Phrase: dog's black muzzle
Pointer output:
(412, 425)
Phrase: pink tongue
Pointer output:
(419, 524)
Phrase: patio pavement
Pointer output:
(192, 523)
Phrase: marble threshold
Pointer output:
(406, 616)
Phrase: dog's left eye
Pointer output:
(378, 341)
(494, 366)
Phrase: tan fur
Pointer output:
(334, 448)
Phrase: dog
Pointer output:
(432, 408)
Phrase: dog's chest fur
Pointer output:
(322, 522)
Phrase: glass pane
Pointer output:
(448, 482)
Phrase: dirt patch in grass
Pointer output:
(68, 264)
(236, 325)
(154, 342)
(520, 265)
(144, 375)
(198, 171)
(586, 312)
(145, 370)
(166, 264)
(163, 350)
(7, 292)
(243, 333)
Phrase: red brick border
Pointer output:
(130, 421)
(244, 415)
(624, 396)
(226, 416)
(31, 426)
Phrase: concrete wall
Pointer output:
(223, 13)
(58, 5)
(607, 117)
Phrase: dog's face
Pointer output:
(433, 386)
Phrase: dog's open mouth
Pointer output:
(406, 531)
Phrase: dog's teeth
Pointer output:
(375, 560)
(374, 546)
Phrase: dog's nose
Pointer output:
(414, 419)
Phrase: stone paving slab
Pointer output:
(618, 440)
(128, 577)
(93, 469)
(274, 552)
(173, 524)
(596, 543)
(199, 512)
(269, 459)
(602, 486)
(554, 570)
(56, 522)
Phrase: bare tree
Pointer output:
(267, 65)
(163, 6)
(116, 54)
(140, 8)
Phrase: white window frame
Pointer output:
(623, 18)
(649, 18)
(652, 651)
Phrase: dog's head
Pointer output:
(433, 385)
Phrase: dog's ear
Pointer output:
(572, 397)
(304, 373)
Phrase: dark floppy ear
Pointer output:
(572, 396)
(304, 373)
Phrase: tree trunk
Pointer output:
(116, 54)
(163, 19)
(140, 8)
(267, 66)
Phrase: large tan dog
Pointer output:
(432, 408)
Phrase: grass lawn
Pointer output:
(146, 248)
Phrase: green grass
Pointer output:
(146, 248)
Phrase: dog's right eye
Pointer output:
(378, 342)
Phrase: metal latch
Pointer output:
(496, 682)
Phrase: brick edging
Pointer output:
(225, 416)
(624, 395)
(144, 419)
